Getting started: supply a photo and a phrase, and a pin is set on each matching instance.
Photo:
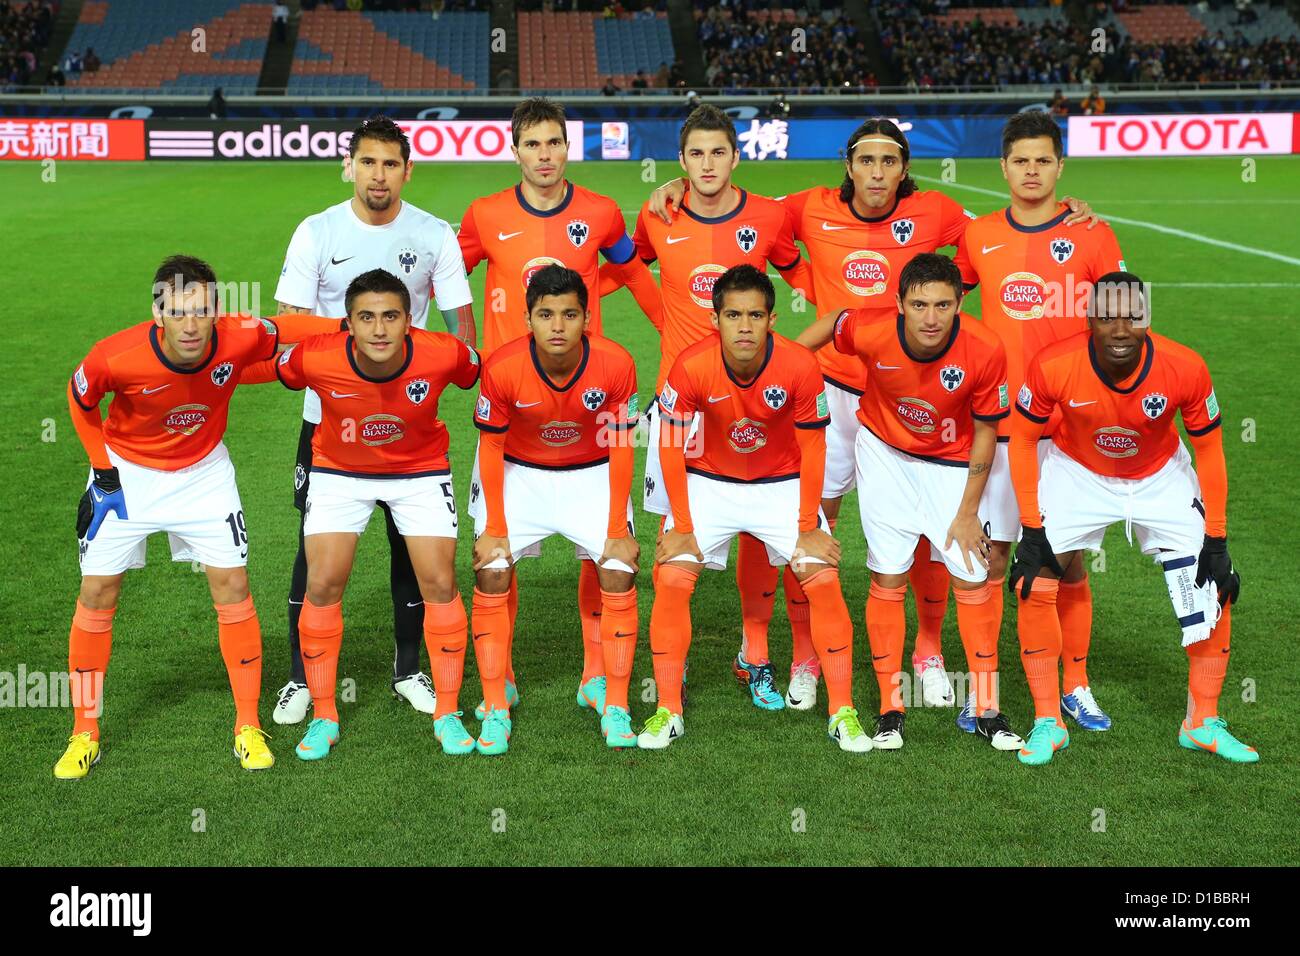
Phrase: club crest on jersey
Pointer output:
(417, 391)
(593, 398)
(775, 396)
(747, 239)
(407, 259)
(474, 491)
(902, 230)
(1154, 405)
(577, 231)
(1061, 250)
(951, 377)
(299, 477)
(221, 374)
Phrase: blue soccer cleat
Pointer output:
(966, 719)
(1081, 707)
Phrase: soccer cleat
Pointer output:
(846, 730)
(251, 748)
(801, 694)
(759, 680)
(661, 730)
(451, 733)
(418, 691)
(512, 700)
(494, 735)
(1045, 739)
(936, 689)
(292, 706)
(889, 731)
(591, 693)
(322, 734)
(997, 731)
(1082, 707)
(1213, 737)
(616, 728)
(81, 755)
(966, 719)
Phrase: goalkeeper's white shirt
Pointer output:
(330, 249)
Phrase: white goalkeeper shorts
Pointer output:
(655, 497)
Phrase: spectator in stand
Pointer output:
(609, 89)
(779, 108)
(1093, 104)
(663, 77)
(1060, 105)
(217, 105)
(640, 84)
(280, 22)
(55, 76)
(92, 63)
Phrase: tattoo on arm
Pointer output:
(978, 468)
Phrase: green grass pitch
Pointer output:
(78, 256)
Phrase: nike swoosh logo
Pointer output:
(1225, 650)
(628, 634)
(526, 404)
(827, 227)
(888, 368)
(334, 394)
(503, 236)
(878, 657)
(769, 594)
(671, 241)
(933, 601)
(720, 398)
(1080, 660)
(250, 660)
(85, 670)
(414, 603)
(311, 657)
(987, 249)
(94, 493)
(339, 262)
(1074, 404)
(1037, 650)
(978, 654)
(452, 650)
(836, 650)
(657, 653)
(484, 634)
(150, 391)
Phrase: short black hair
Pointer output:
(744, 278)
(185, 271)
(1116, 280)
(534, 110)
(1031, 124)
(888, 128)
(555, 280)
(382, 129)
(706, 117)
(376, 280)
(929, 267)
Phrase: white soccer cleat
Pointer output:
(936, 689)
(418, 692)
(661, 730)
(801, 694)
(293, 704)
(846, 730)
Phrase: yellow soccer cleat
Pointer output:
(81, 755)
(251, 748)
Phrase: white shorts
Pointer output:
(999, 505)
(840, 437)
(902, 498)
(720, 510)
(422, 507)
(198, 507)
(655, 498)
(476, 493)
(1164, 509)
(540, 502)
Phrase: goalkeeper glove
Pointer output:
(1215, 564)
(103, 495)
(1032, 555)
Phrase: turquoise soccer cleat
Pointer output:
(761, 683)
(321, 736)
(451, 733)
(494, 736)
(616, 728)
(592, 694)
(512, 700)
(1213, 737)
(1045, 739)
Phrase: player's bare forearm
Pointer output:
(819, 332)
(460, 323)
(983, 444)
(1080, 211)
(667, 198)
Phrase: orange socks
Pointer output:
(618, 628)
(929, 580)
(670, 632)
(1074, 608)
(491, 627)
(1040, 646)
(1207, 662)
(514, 613)
(89, 645)
(320, 635)
(444, 638)
(241, 648)
(593, 658)
(756, 579)
(796, 607)
(979, 636)
(832, 634)
(886, 627)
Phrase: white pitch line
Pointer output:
(1168, 230)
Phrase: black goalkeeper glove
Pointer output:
(1215, 563)
(1032, 555)
(103, 495)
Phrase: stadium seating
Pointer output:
(1162, 22)
(149, 45)
(346, 52)
(575, 52)
(1273, 23)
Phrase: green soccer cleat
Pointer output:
(451, 733)
(321, 736)
(661, 730)
(1045, 739)
(494, 736)
(591, 693)
(512, 700)
(1213, 737)
(845, 729)
(616, 728)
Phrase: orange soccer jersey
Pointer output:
(1035, 280)
(372, 428)
(856, 260)
(908, 402)
(517, 240)
(162, 415)
(747, 429)
(1120, 429)
(557, 426)
(694, 251)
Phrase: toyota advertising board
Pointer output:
(41, 139)
(1181, 134)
